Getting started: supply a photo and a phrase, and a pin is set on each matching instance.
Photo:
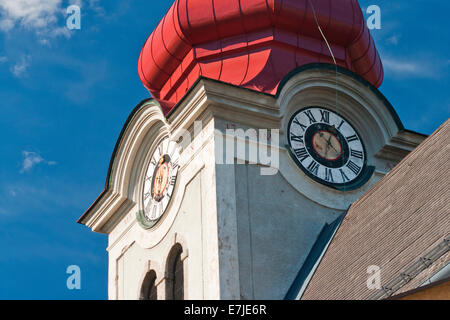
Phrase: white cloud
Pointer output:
(31, 159)
(40, 16)
(76, 2)
(401, 66)
(94, 5)
(20, 68)
(393, 40)
(6, 24)
(30, 13)
(411, 68)
(3, 59)
(44, 41)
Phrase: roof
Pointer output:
(401, 224)
(252, 44)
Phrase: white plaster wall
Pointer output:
(191, 220)
(136, 260)
(277, 227)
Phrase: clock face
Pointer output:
(326, 146)
(160, 179)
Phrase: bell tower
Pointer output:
(265, 125)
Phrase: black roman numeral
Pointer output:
(356, 154)
(344, 176)
(296, 138)
(310, 116)
(325, 116)
(173, 180)
(340, 125)
(314, 167)
(301, 153)
(352, 138)
(329, 175)
(147, 208)
(354, 167)
(298, 123)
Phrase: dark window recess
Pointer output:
(178, 291)
(149, 290)
(175, 274)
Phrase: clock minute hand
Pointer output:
(334, 148)
(331, 145)
(328, 145)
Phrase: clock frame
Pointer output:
(159, 182)
(327, 148)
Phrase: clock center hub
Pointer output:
(326, 145)
(161, 180)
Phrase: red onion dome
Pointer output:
(252, 44)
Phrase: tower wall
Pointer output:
(243, 234)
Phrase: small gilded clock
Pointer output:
(327, 148)
(159, 182)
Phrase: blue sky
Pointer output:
(64, 96)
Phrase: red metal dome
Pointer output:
(252, 44)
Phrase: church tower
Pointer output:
(265, 125)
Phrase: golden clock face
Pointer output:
(160, 179)
(326, 147)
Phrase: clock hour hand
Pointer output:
(331, 145)
(328, 145)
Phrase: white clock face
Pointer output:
(326, 146)
(160, 179)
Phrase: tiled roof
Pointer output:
(398, 221)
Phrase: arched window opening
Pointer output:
(175, 274)
(148, 289)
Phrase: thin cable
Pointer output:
(321, 32)
(335, 64)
